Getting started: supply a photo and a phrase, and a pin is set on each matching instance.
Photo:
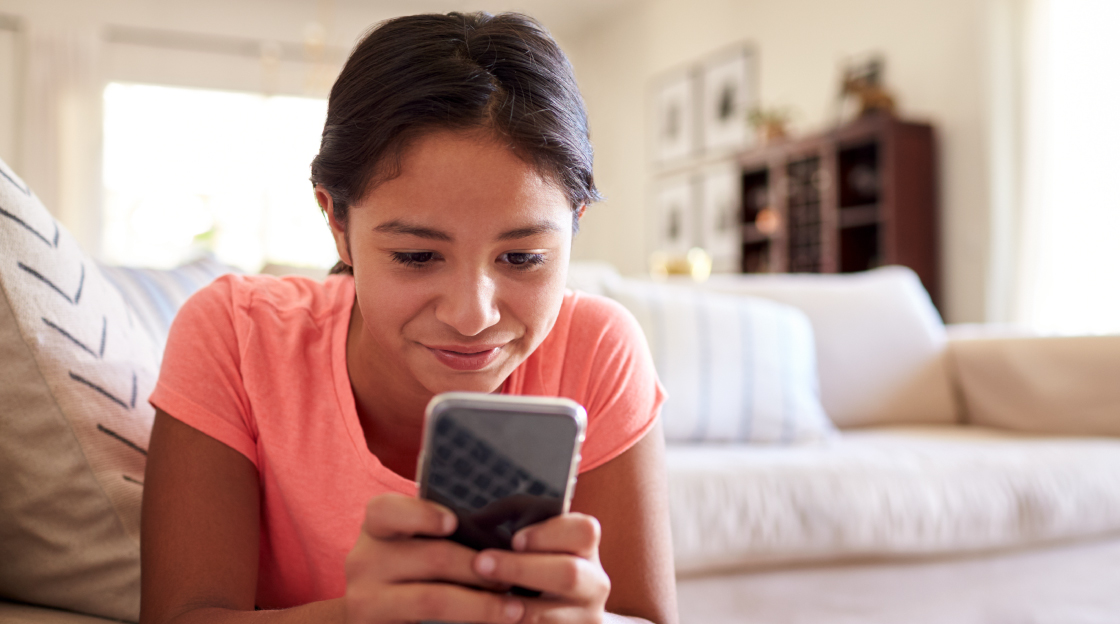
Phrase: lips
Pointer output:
(464, 358)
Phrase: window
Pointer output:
(192, 170)
(1070, 254)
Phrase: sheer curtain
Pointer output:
(9, 89)
(1069, 252)
(60, 128)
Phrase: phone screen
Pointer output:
(499, 470)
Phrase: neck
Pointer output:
(390, 408)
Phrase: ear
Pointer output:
(338, 230)
(579, 213)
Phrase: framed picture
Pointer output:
(719, 217)
(674, 116)
(728, 92)
(675, 215)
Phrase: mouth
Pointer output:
(465, 358)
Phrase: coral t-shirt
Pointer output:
(259, 364)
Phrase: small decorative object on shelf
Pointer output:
(863, 81)
(770, 124)
(851, 199)
(696, 263)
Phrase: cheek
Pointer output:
(538, 305)
(387, 306)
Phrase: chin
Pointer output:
(485, 381)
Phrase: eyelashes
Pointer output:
(412, 258)
(523, 261)
(520, 261)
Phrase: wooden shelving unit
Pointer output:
(858, 197)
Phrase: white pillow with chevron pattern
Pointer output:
(77, 363)
(736, 368)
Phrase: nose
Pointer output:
(469, 303)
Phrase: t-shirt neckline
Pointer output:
(345, 393)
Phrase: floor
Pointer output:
(1064, 584)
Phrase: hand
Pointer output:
(559, 557)
(395, 573)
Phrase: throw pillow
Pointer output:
(736, 368)
(77, 363)
(881, 346)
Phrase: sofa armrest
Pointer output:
(1064, 386)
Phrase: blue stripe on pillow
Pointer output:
(786, 362)
(657, 313)
(747, 390)
(770, 368)
(155, 295)
(704, 351)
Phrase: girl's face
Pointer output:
(459, 264)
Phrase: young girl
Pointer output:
(454, 168)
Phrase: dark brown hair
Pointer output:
(460, 71)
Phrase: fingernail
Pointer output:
(448, 522)
(485, 564)
(519, 541)
(513, 610)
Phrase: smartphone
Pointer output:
(500, 463)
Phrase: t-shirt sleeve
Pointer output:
(619, 386)
(200, 381)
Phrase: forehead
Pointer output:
(467, 178)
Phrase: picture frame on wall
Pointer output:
(675, 215)
(728, 91)
(720, 205)
(674, 116)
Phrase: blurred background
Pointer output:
(159, 129)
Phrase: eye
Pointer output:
(413, 258)
(523, 260)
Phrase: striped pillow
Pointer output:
(737, 369)
(155, 295)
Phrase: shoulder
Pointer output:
(264, 297)
(606, 367)
(597, 322)
(234, 307)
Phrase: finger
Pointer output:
(434, 560)
(412, 602)
(556, 612)
(574, 579)
(572, 533)
(395, 516)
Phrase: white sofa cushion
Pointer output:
(1068, 385)
(904, 491)
(736, 368)
(880, 343)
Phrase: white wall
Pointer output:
(936, 64)
(935, 51)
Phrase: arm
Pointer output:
(201, 534)
(630, 567)
(200, 543)
(629, 496)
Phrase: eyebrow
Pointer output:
(543, 227)
(406, 229)
(402, 228)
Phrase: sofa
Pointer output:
(910, 472)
